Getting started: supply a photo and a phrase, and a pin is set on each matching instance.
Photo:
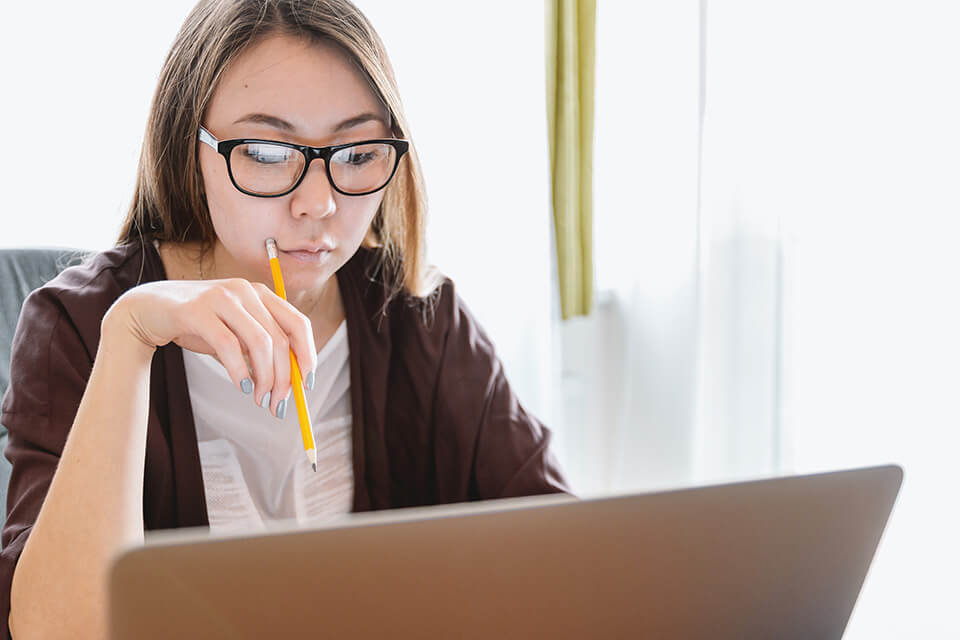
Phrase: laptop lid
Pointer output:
(776, 558)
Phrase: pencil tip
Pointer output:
(314, 467)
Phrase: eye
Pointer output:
(268, 153)
(362, 155)
(358, 157)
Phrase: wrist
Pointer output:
(119, 334)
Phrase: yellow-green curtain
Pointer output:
(570, 39)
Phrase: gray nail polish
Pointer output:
(282, 409)
(311, 378)
(246, 385)
(265, 401)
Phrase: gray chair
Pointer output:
(21, 271)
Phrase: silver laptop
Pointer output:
(778, 558)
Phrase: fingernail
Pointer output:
(310, 380)
(246, 385)
(289, 392)
(282, 409)
(265, 401)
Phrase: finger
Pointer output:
(255, 339)
(296, 326)
(227, 349)
(253, 303)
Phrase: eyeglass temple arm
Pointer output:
(206, 137)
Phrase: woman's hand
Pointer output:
(244, 325)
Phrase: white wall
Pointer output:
(838, 119)
(472, 83)
(81, 74)
(829, 219)
(630, 370)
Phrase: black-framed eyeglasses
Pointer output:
(270, 169)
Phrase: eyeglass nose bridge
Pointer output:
(315, 153)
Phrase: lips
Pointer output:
(308, 249)
(310, 254)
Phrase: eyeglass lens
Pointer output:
(268, 169)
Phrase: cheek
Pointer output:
(360, 216)
(239, 222)
(216, 184)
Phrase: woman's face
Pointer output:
(290, 90)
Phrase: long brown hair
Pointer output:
(169, 202)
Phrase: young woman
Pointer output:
(150, 386)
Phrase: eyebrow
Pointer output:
(283, 125)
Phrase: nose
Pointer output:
(314, 196)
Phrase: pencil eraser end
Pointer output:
(271, 248)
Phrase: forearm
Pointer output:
(94, 506)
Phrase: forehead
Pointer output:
(314, 86)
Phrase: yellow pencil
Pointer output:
(306, 429)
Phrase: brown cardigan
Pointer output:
(435, 420)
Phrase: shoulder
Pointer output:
(430, 317)
(122, 266)
(58, 334)
(81, 294)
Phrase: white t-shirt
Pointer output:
(254, 466)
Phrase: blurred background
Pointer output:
(775, 214)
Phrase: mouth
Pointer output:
(310, 254)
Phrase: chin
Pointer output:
(302, 277)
